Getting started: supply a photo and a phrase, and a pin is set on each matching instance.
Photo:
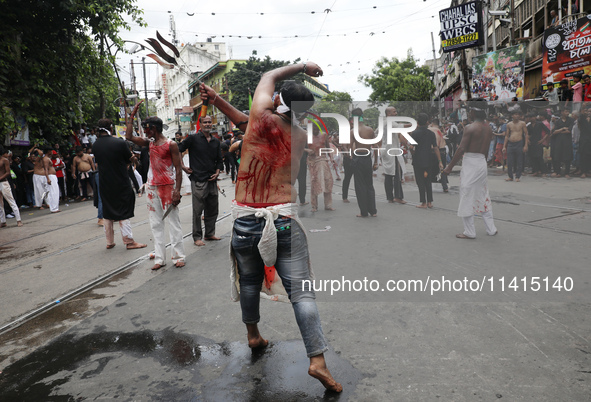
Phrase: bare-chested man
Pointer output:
(363, 168)
(82, 167)
(265, 212)
(320, 169)
(5, 190)
(45, 181)
(516, 139)
(474, 196)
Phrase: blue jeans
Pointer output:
(515, 158)
(292, 268)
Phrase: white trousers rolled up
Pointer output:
(489, 224)
(156, 212)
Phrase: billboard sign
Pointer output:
(567, 51)
(461, 26)
(499, 75)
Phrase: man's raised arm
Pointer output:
(142, 142)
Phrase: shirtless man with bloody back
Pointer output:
(474, 197)
(265, 213)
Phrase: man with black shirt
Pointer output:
(561, 146)
(205, 165)
(422, 160)
(118, 200)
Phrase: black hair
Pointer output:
(1, 150)
(105, 123)
(357, 112)
(79, 149)
(422, 119)
(297, 97)
(153, 121)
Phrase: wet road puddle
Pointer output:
(169, 366)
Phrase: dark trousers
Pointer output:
(84, 185)
(133, 179)
(348, 167)
(62, 185)
(393, 184)
(364, 191)
(444, 182)
(423, 179)
(231, 158)
(556, 166)
(515, 159)
(302, 176)
(205, 200)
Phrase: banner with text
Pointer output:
(461, 27)
(567, 51)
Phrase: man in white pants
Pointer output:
(45, 182)
(164, 188)
(474, 197)
(6, 191)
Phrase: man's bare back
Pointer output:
(366, 133)
(271, 153)
(477, 137)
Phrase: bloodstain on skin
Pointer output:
(162, 173)
(271, 150)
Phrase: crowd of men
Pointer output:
(265, 160)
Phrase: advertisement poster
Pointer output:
(20, 137)
(498, 76)
(461, 27)
(567, 51)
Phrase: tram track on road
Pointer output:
(88, 286)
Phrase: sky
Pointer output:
(345, 38)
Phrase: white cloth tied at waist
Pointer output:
(474, 197)
(267, 244)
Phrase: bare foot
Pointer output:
(40, 208)
(134, 245)
(374, 215)
(319, 371)
(152, 256)
(361, 216)
(179, 264)
(399, 201)
(213, 238)
(100, 222)
(391, 201)
(19, 224)
(518, 180)
(255, 340)
(424, 206)
(429, 205)
(329, 209)
(303, 203)
(55, 212)
(346, 201)
(566, 176)
(508, 179)
(110, 246)
(199, 242)
(583, 176)
(3, 225)
(314, 209)
(156, 267)
(554, 175)
(463, 236)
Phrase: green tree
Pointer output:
(245, 77)
(335, 102)
(54, 63)
(399, 80)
